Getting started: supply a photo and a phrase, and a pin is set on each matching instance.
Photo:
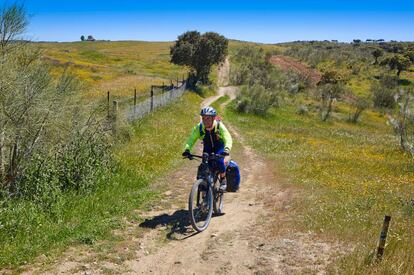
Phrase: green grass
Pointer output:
(27, 230)
(351, 176)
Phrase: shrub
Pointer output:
(47, 144)
(359, 104)
(330, 88)
(403, 120)
(303, 110)
(256, 100)
(383, 96)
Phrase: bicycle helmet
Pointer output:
(208, 111)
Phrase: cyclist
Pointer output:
(216, 139)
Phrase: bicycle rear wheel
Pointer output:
(218, 202)
(200, 205)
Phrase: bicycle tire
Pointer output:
(204, 206)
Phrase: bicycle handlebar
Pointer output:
(210, 157)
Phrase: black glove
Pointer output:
(226, 152)
(186, 153)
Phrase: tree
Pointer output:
(377, 53)
(410, 55)
(397, 62)
(403, 120)
(13, 22)
(82, 38)
(356, 42)
(199, 53)
(330, 89)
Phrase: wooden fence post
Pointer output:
(383, 237)
(152, 98)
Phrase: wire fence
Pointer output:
(164, 97)
(136, 107)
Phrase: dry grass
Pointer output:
(119, 67)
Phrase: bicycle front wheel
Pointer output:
(200, 205)
(218, 202)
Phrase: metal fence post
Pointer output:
(2, 158)
(107, 105)
(135, 100)
(152, 98)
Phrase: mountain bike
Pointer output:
(205, 196)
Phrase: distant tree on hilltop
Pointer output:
(82, 38)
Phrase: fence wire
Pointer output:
(152, 103)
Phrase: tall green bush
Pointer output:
(263, 83)
(48, 142)
(256, 99)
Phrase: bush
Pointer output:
(383, 96)
(256, 100)
(403, 119)
(47, 143)
(74, 165)
(303, 110)
(389, 81)
(359, 104)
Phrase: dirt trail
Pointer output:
(254, 236)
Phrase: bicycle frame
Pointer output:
(205, 172)
(205, 186)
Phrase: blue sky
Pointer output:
(259, 21)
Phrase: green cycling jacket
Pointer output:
(199, 132)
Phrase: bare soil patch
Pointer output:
(287, 63)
